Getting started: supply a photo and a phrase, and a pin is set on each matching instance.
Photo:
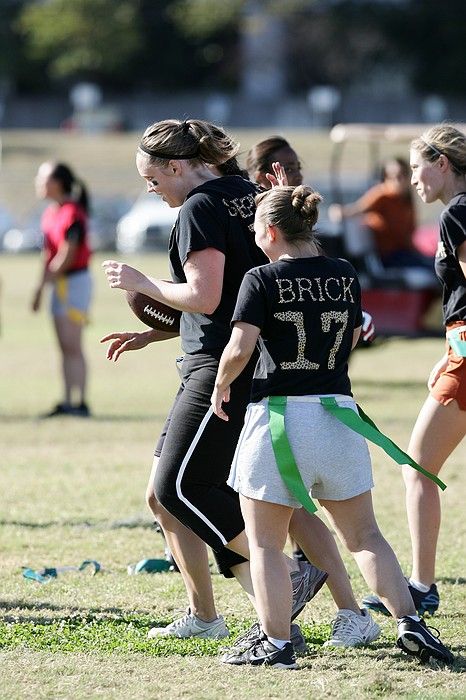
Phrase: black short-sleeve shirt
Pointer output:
(447, 267)
(218, 214)
(307, 310)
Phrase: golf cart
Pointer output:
(397, 298)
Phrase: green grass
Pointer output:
(72, 489)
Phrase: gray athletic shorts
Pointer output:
(333, 460)
(71, 296)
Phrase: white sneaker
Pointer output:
(191, 626)
(351, 630)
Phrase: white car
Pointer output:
(146, 226)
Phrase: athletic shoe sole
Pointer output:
(415, 644)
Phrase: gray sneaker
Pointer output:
(263, 653)
(306, 582)
(352, 630)
(191, 626)
(252, 636)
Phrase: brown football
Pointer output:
(153, 313)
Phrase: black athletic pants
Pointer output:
(196, 453)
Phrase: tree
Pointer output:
(196, 44)
(431, 36)
(173, 58)
(78, 39)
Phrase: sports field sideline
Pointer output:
(73, 490)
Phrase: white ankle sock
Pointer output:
(279, 643)
(416, 618)
(418, 585)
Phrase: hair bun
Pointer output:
(305, 202)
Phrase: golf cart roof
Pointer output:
(379, 132)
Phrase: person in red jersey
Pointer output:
(66, 268)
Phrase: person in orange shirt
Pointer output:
(388, 210)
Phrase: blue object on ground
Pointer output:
(48, 573)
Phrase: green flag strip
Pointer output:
(284, 455)
(359, 422)
(362, 424)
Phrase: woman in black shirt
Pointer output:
(438, 163)
(210, 249)
(304, 309)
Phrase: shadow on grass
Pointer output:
(101, 418)
(458, 581)
(129, 524)
(76, 615)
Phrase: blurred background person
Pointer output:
(273, 149)
(387, 210)
(65, 267)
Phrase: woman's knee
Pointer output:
(164, 518)
(265, 538)
(151, 500)
(164, 490)
(417, 482)
(357, 540)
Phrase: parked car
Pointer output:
(146, 226)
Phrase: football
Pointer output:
(153, 313)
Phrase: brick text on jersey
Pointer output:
(315, 289)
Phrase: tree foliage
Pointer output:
(172, 60)
(91, 38)
(203, 18)
(431, 38)
(196, 44)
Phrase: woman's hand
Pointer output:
(218, 397)
(36, 300)
(279, 178)
(122, 276)
(436, 372)
(124, 341)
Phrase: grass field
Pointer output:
(73, 490)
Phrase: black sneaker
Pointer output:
(415, 638)
(61, 409)
(298, 555)
(252, 636)
(81, 410)
(264, 653)
(427, 602)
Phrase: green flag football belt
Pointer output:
(359, 422)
